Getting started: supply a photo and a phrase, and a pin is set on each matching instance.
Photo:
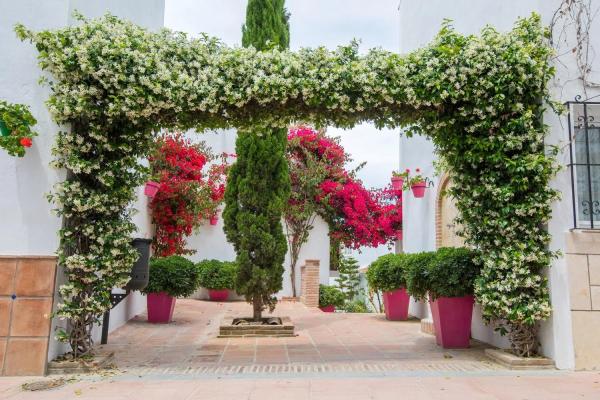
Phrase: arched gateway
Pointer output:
(478, 97)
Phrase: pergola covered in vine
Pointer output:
(479, 98)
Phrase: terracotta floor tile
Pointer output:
(191, 340)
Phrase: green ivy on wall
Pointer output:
(478, 97)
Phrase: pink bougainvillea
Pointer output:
(357, 216)
(361, 217)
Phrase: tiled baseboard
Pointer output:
(26, 296)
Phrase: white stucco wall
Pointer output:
(419, 22)
(28, 226)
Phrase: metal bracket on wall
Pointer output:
(115, 298)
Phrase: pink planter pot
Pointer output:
(213, 220)
(218, 294)
(396, 305)
(151, 188)
(397, 183)
(160, 307)
(418, 189)
(452, 321)
(328, 309)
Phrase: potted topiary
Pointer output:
(448, 278)
(388, 274)
(330, 297)
(218, 277)
(170, 277)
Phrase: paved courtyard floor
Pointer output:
(190, 345)
(334, 356)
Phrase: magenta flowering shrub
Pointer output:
(357, 216)
(362, 217)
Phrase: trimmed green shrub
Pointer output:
(452, 273)
(356, 306)
(175, 275)
(330, 296)
(215, 274)
(447, 272)
(417, 273)
(388, 272)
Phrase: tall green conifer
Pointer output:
(258, 184)
(267, 24)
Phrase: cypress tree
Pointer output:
(258, 185)
(267, 24)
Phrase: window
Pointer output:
(584, 131)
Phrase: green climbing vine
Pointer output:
(478, 97)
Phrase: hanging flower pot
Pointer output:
(418, 189)
(4, 131)
(398, 179)
(396, 305)
(218, 294)
(452, 321)
(214, 219)
(151, 188)
(160, 307)
(397, 182)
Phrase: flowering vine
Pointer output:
(479, 98)
(187, 194)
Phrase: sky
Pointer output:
(314, 23)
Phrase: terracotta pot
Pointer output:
(396, 305)
(328, 308)
(452, 321)
(218, 294)
(418, 189)
(160, 307)
(213, 220)
(397, 182)
(151, 188)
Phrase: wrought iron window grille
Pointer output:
(584, 161)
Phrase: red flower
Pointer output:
(26, 142)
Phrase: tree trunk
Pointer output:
(294, 252)
(258, 308)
